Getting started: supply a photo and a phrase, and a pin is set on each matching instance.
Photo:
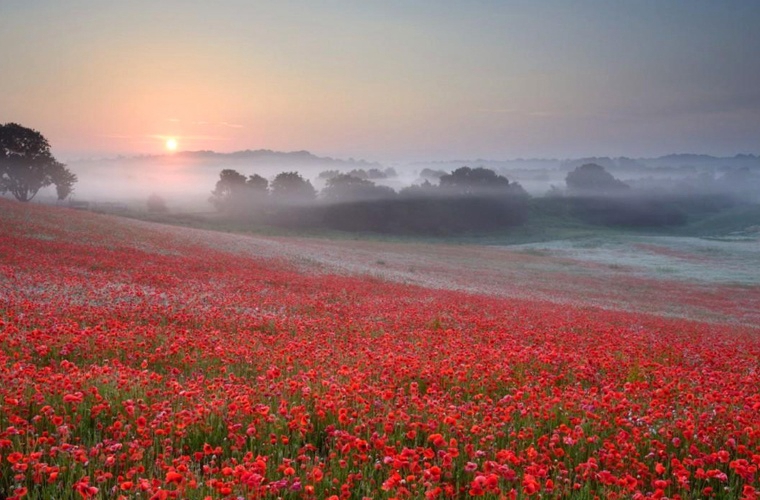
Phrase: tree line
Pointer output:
(466, 200)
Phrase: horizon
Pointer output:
(369, 161)
(385, 82)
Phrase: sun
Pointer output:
(171, 144)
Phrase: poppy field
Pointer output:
(140, 365)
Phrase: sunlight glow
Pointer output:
(171, 144)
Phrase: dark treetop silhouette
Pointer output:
(26, 164)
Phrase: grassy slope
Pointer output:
(742, 220)
(547, 221)
(567, 274)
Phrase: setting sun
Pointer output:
(171, 144)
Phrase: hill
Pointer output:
(152, 361)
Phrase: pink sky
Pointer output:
(384, 80)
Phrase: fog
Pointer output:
(437, 198)
(185, 180)
(696, 172)
(188, 177)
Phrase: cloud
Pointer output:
(230, 125)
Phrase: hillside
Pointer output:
(153, 361)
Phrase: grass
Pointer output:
(738, 220)
(547, 221)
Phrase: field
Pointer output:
(154, 362)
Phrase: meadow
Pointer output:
(153, 362)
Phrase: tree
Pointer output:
(593, 179)
(290, 187)
(228, 190)
(64, 182)
(425, 189)
(346, 187)
(26, 164)
(328, 174)
(236, 194)
(466, 180)
(258, 184)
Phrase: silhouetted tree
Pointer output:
(375, 173)
(64, 182)
(424, 189)
(345, 187)
(359, 173)
(290, 187)
(593, 179)
(597, 197)
(258, 185)
(328, 174)
(390, 172)
(26, 164)
(229, 190)
(468, 200)
(466, 180)
(481, 183)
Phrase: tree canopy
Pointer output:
(593, 179)
(468, 200)
(472, 178)
(228, 189)
(26, 164)
(290, 187)
(346, 187)
(258, 184)
(477, 181)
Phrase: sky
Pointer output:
(385, 80)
